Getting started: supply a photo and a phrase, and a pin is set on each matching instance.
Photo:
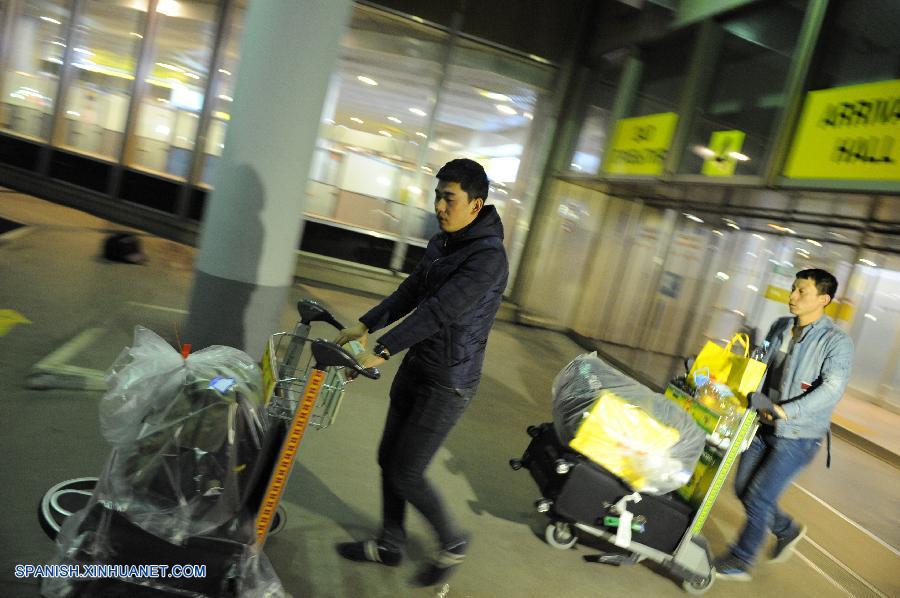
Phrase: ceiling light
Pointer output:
(494, 96)
(421, 134)
(358, 121)
(753, 288)
(170, 8)
(418, 111)
(394, 119)
(692, 217)
(759, 236)
(870, 317)
(367, 80)
(868, 262)
(231, 99)
(811, 242)
(739, 156)
(506, 109)
(722, 276)
(718, 232)
(225, 72)
(703, 151)
(171, 67)
(385, 133)
(528, 115)
(49, 20)
(58, 44)
(733, 225)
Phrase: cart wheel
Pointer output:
(60, 501)
(279, 520)
(699, 587)
(516, 464)
(559, 535)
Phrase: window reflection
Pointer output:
(221, 111)
(172, 98)
(106, 43)
(595, 129)
(747, 92)
(33, 66)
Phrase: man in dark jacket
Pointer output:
(452, 298)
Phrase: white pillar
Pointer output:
(252, 224)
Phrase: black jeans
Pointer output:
(420, 416)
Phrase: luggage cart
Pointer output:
(303, 389)
(579, 495)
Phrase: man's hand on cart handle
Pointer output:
(357, 332)
(768, 411)
(367, 360)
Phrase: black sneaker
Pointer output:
(370, 551)
(730, 567)
(785, 545)
(443, 565)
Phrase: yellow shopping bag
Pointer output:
(742, 374)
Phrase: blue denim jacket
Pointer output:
(815, 376)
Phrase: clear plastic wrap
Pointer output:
(658, 458)
(189, 444)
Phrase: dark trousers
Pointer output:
(765, 470)
(420, 416)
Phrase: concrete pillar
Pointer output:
(253, 219)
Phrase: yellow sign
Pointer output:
(268, 366)
(639, 144)
(726, 148)
(9, 318)
(849, 133)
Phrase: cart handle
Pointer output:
(311, 311)
(328, 354)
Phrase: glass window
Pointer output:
(172, 98)
(32, 68)
(732, 131)
(665, 65)
(374, 125)
(221, 110)
(860, 44)
(493, 110)
(601, 92)
(106, 43)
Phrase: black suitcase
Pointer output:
(582, 491)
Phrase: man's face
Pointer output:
(805, 299)
(453, 208)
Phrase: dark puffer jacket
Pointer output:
(454, 294)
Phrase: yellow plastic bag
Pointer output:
(742, 374)
(624, 439)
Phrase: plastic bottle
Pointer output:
(760, 352)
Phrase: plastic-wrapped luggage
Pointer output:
(188, 437)
(638, 434)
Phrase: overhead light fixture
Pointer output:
(528, 115)
(394, 119)
(421, 134)
(811, 242)
(782, 229)
(868, 262)
(367, 80)
(358, 121)
(51, 20)
(703, 151)
(739, 156)
(170, 8)
(718, 232)
(385, 133)
(733, 225)
(171, 67)
(753, 288)
(494, 96)
(231, 99)
(870, 317)
(722, 276)
(506, 109)
(759, 236)
(60, 44)
(418, 111)
(225, 72)
(692, 217)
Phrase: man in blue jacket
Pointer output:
(452, 298)
(808, 367)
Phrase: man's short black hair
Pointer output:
(470, 176)
(825, 283)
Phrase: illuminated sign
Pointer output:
(848, 133)
(723, 153)
(639, 145)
